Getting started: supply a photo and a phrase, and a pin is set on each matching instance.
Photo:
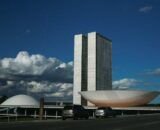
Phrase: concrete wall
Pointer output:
(80, 67)
(92, 61)
(103, 63)
(99, 62)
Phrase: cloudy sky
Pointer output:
(36, 43)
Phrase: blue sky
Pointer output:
(47, 28)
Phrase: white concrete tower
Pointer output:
(80, 68)
(92, 65)
(99, 62)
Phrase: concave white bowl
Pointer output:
(119, 98)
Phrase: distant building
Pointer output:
(20, 100)
(92, 64)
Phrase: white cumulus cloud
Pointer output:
(36, 75)
(145, 9)
(154, 72)
(124, 83)
(37, 66)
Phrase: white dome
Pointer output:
(119, 98)
(21, 100)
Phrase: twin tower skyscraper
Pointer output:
(92, 65)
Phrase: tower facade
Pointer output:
(99, 62)
(80, 68)
(92, 65)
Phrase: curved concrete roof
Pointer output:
(21, 100)
(119, 98)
